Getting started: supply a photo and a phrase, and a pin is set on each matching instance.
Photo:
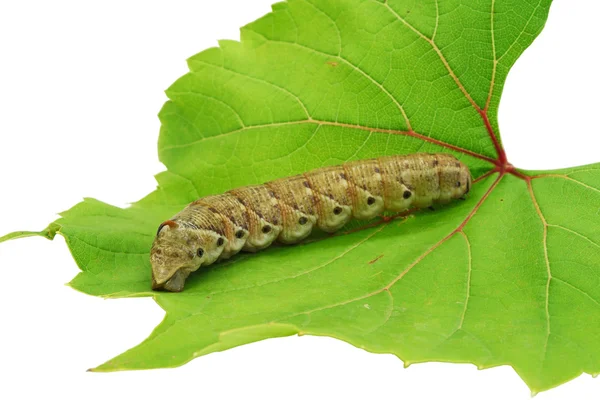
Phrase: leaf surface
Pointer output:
(509, 276)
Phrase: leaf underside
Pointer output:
(509, 276)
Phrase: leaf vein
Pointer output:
(468, 294)
(522, 31)
(238, 117)
(284, 90)
(354, 67)
(342, 125)
(586, 294)
(549, 272)
(575, 233)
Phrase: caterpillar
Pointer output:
(286, 210)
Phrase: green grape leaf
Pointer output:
(511, 276)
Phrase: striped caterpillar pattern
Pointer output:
(286, 210)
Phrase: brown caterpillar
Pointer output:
(250, 218)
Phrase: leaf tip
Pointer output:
(47, 233)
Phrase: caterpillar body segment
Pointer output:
(286, 210)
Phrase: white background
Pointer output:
(80, 86)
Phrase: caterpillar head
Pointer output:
(178, 250)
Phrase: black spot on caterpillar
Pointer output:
(250, 218)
